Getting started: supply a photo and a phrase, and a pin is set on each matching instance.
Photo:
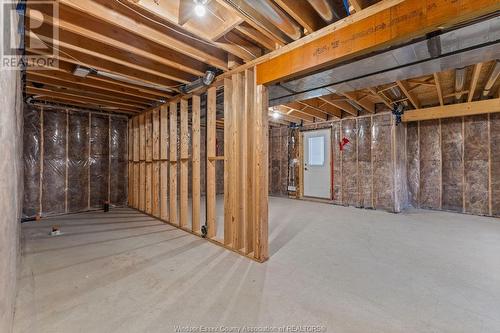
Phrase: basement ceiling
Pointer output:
(135, 54)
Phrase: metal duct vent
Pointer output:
(202, 81)
(437, 52)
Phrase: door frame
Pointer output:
(301, 166)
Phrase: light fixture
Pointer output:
(276, 115)
(199, 8)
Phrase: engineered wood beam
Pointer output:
(453, 110)
(385, 24)
(113, 15)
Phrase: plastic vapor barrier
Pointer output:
(118, 162)
(495, 163)
(78, 162)
(54, 163)
(69, 158)
(452, 163)
(32, 146)
(476, 165)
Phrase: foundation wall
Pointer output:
(453, 164)
(11, 189)
(278, 160)
(73, 161)
(369, 171)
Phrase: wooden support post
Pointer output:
(184, 163)
(229, 178)
(149, 180)
(247, 161)
(156, 163)
(142, 166)
(130, 198)
(237, 160)
(148, 125)
(136, 158)
(156, 189)
(211, 162)
(156, 134)
(109, 160)
(260, 128)
(195, 137)
(66, 165)
(173, 163)
(40, 180)
(89, 159)
(164, 138)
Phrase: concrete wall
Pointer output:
(11, 190)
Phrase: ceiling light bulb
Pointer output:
(276, 115)
(200, 10)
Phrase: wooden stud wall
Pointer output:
(161, 146)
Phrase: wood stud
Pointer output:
(162, 153)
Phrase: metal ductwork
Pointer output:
(458, 48)
(492, 79)
(201, 82)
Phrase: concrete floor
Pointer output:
(348, 269)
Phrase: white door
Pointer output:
(317, 166)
